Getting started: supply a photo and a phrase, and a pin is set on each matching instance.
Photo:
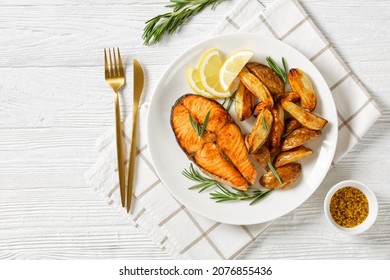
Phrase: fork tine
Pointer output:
(116, 71)
(121, 72)
(106, 72)
(112, 74)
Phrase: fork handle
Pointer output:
(119, 149)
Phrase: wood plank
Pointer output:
(75, 35)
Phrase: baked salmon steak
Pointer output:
(220, 150)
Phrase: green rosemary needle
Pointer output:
(206, 120)
(231, 100)
(265, 125)
(199, 129)
(258, 195)
(170, 22)
(287, 133)
(275, 67)
(273, 170)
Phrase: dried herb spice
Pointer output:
(349, 207)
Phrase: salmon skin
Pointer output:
(220, 152)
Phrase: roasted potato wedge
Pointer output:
(310, 120)
(254, 85)
(301, 84)
(262, 157)
(267, 76)
(245, 101)
(260, 131)
(292, 156)
(259, 107)
(288, 96)
(288, 174)
(277, 129)
(274, 151)
(246, 137)
(291, 124)
(298, 137)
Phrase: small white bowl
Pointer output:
(372, 207)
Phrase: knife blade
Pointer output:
(138, 85)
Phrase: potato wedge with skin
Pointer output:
(288, 96)
(260, 131)
(275, 151)
(262, 157)
(246, 137)
(310, 120)
(259, 107)
(288, 174)
(245, 101)
(277, 129)
(291, 124)
(254, 85)
(267, 76)
(298, 137)
(292, 156)
(301, 84)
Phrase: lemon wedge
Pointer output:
(209, 67)
(232, 67)
(193, 80)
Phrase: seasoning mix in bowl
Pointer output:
(351, 207)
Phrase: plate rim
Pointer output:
(259, 37)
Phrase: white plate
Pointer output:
(170, 160)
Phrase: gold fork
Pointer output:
(115, 78)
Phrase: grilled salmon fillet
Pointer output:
(220, 152)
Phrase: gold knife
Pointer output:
(138, 86)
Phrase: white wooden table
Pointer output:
(54, 104)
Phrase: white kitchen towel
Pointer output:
(179, 231)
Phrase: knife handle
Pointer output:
(130, 181)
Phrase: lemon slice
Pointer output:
(193, 80)
(232, 67)
(209, 67)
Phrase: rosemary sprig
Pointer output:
(199, 129)
(204, 182)
(222, 194)
(273, 170)
(259, 195)
(274, 66)
(226, 195)
(170, 22)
